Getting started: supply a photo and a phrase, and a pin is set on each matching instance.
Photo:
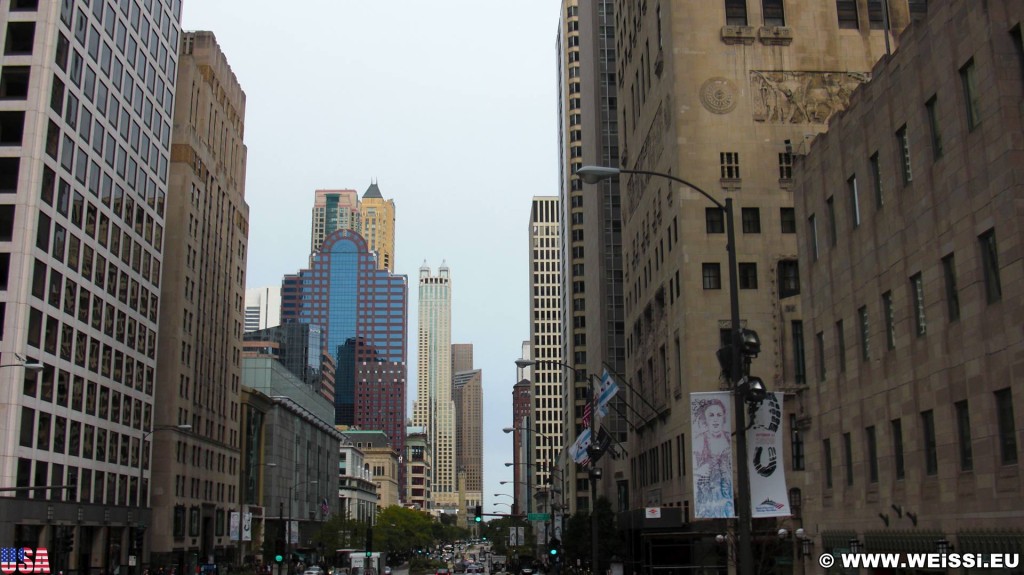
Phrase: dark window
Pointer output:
(14, 82)
(20, 36)
(812, 225)
(789, 278)
(876, 179)
(796, 444)
(730, 164)
(963, 433)
(917, 300)
(848, 454)
(897, 448)
(1007, 427)
(990, 266)
(799, 359)
(736, 12)
(851, 185)
(952, 293)
(841, 346)
(918, 9)
(712, 276)
(774, 14)
(748, 275)
(865, 333)
(6, 222)
(751, 220)
(890, 320)
(903, 147)
(12, 128)
(832, 229)
(847, 11)
(933, 125)
(872, 443)
(968, 77)
(876, 15)
(715, 220)
(9, 171)
(787, 217)
(819, 343)
(24, 5)
(931, 452)
(826, 448)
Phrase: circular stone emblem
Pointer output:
(718, 95)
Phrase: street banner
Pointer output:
(605, 392)
(711, 450)
(511, 536)
(234, 526)
(521, 535)
(247, 526)
(293, 532)
(768, 493)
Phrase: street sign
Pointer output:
(538, 516)
(652, 512)
(131, 561)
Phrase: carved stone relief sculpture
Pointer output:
(801, 97)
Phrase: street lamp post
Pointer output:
(288, 531)
(594, 174)
(138, 544)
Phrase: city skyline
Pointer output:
(444, 184)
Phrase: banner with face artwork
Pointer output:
(711, 450)
(769, 496)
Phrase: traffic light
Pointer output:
(369, 541)
(479, 514)
(69, 540)
(553, 545)
(278, 558)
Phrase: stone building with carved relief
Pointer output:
(910, 232)
(723, 94)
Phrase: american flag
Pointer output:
(10, 557)
(324, 507)
(587, 413)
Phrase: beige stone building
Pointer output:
(377, 226)
(333, 210)
(417, 465)
(381, 458)
(468, 397)
(910, 237)
(721, 94)
(196, 479)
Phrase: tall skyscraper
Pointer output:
(467, 395)
(199, 365)
(590, 225)
(433, 408)
(333, 210)
(916, 393)
(363, 312)
(547, 418)
(719, 94)
(85, 145)
(377, 221)
(262, 308)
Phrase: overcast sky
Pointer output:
(449, 105)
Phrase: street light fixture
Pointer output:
(504, 495)
(595, 174)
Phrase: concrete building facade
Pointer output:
(417, 465)
(382, 459)
(82, 218)
(356, 489)
(720, 94)
(912, 284)
(433, 408)
(199, 365)
(522, 412)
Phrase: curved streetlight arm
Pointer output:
(594, 174)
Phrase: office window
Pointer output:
(712, 276)
(876, 15)
(736, 12)
(813, 229)
(848, 454)
(799, 359)
(968, 78)
(730, 163)
(785, 162)
(1007, 427)
(847, 12)
(841, 346)
(833, 230)
(931, 452)
(918, 9)
(787, 220)
(876, 179)
(933, 126)
(917, 297)
(890, 320)
(903, 146)
(865, 331)
(851, 185)
(773, 11)
(819, 344)
(826, 449)
(789, 278)
(990, 266)
(952, 294)
(897, 448)
(751, 220)
(872, 444)
(796, 444)
(748, 275)
(963, 434)
(715, 220)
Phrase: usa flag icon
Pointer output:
(10, 557)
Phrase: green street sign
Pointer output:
(538, 516)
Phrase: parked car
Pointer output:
(442, 571)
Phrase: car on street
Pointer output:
(442, 571)
(526, 571)
(313, 571)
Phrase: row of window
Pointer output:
(67, 390)
(1006, 440)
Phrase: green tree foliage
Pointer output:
(577, 535)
